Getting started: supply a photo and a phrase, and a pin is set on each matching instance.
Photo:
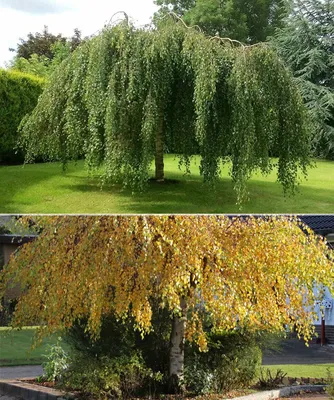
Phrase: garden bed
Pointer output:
(32, 389)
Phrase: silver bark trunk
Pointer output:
(176, 357)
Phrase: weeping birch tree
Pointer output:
(127, 95)
(230, 274)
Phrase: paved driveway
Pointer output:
(5, 397)
(26, 371)
(294, 351)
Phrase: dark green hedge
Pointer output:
(18, 96)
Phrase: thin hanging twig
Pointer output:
(119, 12)
(178, 18)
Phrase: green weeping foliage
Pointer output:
(128, 95)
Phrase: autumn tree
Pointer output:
(233, 273)
(127, 94)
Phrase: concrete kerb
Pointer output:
(28, 391)
(282, 392)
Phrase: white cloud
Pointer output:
(35, 6)
(88, 17)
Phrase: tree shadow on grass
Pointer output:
(191, 195)
(76, 192)
(15, 180)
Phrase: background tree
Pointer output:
(232, 274)
(35, 65)
(306, 44)
(41, 43)
(179, 7)
(42, 52)
(248, 21)
(123, 96)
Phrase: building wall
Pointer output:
(329, 333)
(329, 319)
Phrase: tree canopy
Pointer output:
(129, 94)
(305, 43)
(232, 273)
(250, 21)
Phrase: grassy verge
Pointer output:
(44, 188)
(304, 370)
(15, 347)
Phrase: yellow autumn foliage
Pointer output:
(258, 273)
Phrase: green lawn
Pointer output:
(44, 188)
(304, 370)
(15, 347)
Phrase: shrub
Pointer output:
(120, 339)
(269, 379)
(105, 377)
(19, 93)
(232, 361)
(198, 377)
(237, 369)
(116, 339)
(330, 387)
(56, 364)
(120, 361)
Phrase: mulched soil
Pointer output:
(229, 395)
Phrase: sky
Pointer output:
(19, 17)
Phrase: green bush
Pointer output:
(231, 362)
(330, 387)
(57, 362)
(105, 377)
(237, 369)
(19, 93)
(120, 362)
(198, 377)
(116, 339)
(120, 339)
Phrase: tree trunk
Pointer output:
(159, 150)
(176, 355)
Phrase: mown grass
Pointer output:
(304, 370)
(44, 188)
(15, 347)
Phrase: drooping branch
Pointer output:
(220, 102)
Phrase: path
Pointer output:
(312, 396)
(5, 397)
(24, 371)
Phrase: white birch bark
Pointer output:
(176, 360)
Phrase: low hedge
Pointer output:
(19, 93)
